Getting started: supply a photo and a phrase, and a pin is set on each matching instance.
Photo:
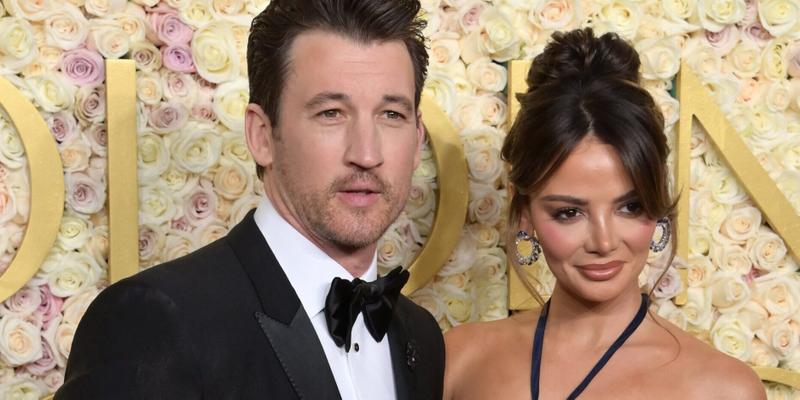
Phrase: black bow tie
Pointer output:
(375, 300)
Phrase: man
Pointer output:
(335, 129)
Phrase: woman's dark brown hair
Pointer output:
(585, 85)
(274, 30)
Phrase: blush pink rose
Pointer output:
(168, 117)
(166, 27)
(178, 58)
(63, 126)
(50, 306)
(757, 33)
(83, 66)
(44, 364)
(201, 204)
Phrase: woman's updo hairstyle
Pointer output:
(584, 85)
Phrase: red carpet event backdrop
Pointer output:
(68, 180)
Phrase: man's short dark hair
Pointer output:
(274, 30)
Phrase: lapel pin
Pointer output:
(411, 355)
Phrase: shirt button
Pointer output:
(355, 347)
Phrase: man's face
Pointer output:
(347, 141)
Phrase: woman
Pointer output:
(588, 161)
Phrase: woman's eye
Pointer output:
(566, 214)
(633, 208)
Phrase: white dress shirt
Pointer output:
(365, 373)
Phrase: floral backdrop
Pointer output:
(197, 179)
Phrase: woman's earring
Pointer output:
(526, 248)
(666, 230)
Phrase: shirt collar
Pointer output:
(309, 269)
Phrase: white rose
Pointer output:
(467, 113)
(731, 337)
(132, 21)
(487, 76)
(789, 183)
(745, 59)
(668, 311)
(778, 96)
(492, 301)
(444, 49)
(232, 180)
(789, 153)
(240, 208)
(778, 293)
(196, 13)
(490, 266)
(97, 246)
(148, 89)
(699, 271)
(778, 16)
(461, 259)
(76, 272)
(52, 92)
(21, 388)
(64, 334)
(29, 10)
(767, 250)
(393, 249)
(12, 153)
(179, 244)
(18, 49)
(728, 291)
(780, 336)
(762, 355)
(493, 109)
(705, 209)
(775, 63)
(235, 149)
(75, 306)
(725, 88)
(660, 58)
(214, 52)
(724, 187)
(486, 204)
(210, 231)
(195, 148)
(73, 233)
(698, 308)
(230, 100)
(484, 165)
(620, 16)
(157, 204)
(441, 88)
(483, 137)
(459, 305)
(731, 257)
(498, 35)
(179, 181)
(428, 299)
(715, 14)
(553, 14)
(153, 157)
(75, 155)
(741, 224)
(108, 38)
(20, 341)
(703, 59)
(66, 27)
(469, 14)
(421, 199)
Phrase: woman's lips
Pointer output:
(601, 272)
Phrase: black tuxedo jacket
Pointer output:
(224, 323)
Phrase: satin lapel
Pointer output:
(283, 320)
(404, 355)
(301, 355)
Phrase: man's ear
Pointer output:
(258, 134)
(420, 132)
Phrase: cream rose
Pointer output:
(487, 76)
(157, 204)
(716, 14)
(789, 154)
(20, 341)
(660, 58)
(12, 153)
(108, 38)
(76, 272)
(18, 47)
(745, 59)
(196, 13)
(64, 334)
(553, 14)
(731, 337)
(498, 36)
(778, 16)
(151, 242)
(153, 157)
(235, 149)
(459, 305)
(779, 293)
(780, 335)
(621, 16)
(467, 113)
(75, 306)
(240, 208)
(21, 388)
(132, 22)
(196, 148)
(668, 311)
(232, 180)
(393, 249)
(490, 266)
(179, 87)
(728, 291)
(102, 8)
(421, 199)
(148, 88)
(214, 52)
(703, 59)
(441, 88)
(73, 233)
(146, 55)
(778, 96)
(51, 91)
(698, 308)
(230, 100)
(444, 49)
(210, 231)
(66, 27)
(179, 244)
(724, 187)
(486, 204)
(762, 355)
(741, 224)
(429, 300)
(774, 61)
(767, 250)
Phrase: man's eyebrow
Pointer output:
(325, 97)
(400, 100)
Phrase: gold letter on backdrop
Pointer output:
(46, 185)
(123, 187)
(452, 198)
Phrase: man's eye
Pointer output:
(394, 115)
(331, 114)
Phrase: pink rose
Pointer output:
(201, 204)
(90, 104)
(794, 62)
(168, 117)
(469, 17)
(63, 126)
(204, 112)
(85, 194)
(178, 58)
(724, 40)
(83, 66)
(24, 302)
(750, 13)
(44, 364)
(151, 242)
(757, 34)
(166, 27)
(50, 306)
(181, 224)
(98, 139)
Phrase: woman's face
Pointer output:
(591, 224)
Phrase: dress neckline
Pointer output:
(538, 342)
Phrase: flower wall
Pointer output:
(197, 179)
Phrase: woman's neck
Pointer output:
(582, 324)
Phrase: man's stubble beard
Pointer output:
(343, 227)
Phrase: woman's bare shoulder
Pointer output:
(713, 373)
(481, 337)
